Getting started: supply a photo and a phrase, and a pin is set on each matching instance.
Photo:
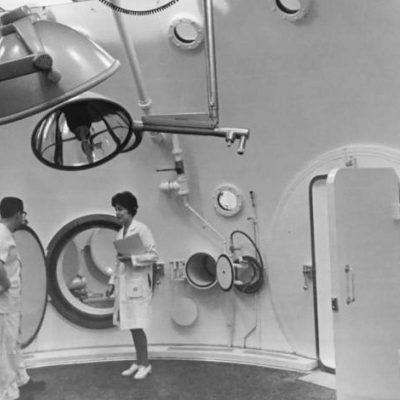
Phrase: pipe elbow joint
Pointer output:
(179, 185)
(183, 189)
(157, 137)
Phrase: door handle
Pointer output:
(307, 275)
(350, 285)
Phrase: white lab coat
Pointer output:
(133, 282)
(12, 368)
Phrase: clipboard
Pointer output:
(129, 245)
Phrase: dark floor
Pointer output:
(173, 380)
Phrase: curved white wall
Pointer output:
(303, 89)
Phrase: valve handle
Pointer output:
(165, 169)
(242, 145)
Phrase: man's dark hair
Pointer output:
(9, 206)
(126, 200)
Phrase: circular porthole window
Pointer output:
(289, 6)
(292, 10)
(80, 260)
(185, 33)
(227, 200)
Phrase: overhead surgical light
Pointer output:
(36, 72)
(89, 130)
(84, 132)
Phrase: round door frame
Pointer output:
(56, 246)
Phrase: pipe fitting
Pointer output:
(183, 186)
(157, 137)
(169, 186)
(145, 104)
(179, 185)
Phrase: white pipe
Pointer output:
(180, 183)
(255, 323)
(181, 179)
(231, 316)
(169, 186)
(205, 222)
(211, 61)
(176, 149)
(144, 100)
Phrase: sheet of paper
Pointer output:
(129, 245)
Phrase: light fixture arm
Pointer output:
(21, 21)
(230, 134)
(199, 124)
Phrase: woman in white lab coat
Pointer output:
(132, 282)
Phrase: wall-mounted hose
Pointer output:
(257, 265)
(138, 12)
(259, 257)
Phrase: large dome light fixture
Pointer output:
(36, 73)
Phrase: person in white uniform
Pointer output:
(132, 282)
(12, 369)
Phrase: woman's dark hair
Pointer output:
(126, 200)
(9, 206)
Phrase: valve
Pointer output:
(180, 183)
(242, 145)
(230, 138)
(178, 168)
(232, 134)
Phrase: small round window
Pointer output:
(185, 33)
(80, 261)
(292, 10)
(227, 200)
(289, 6)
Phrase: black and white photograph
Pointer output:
(200, 199)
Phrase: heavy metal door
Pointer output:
(364, 237)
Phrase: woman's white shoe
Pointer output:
(131, 370)
(143, 372)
